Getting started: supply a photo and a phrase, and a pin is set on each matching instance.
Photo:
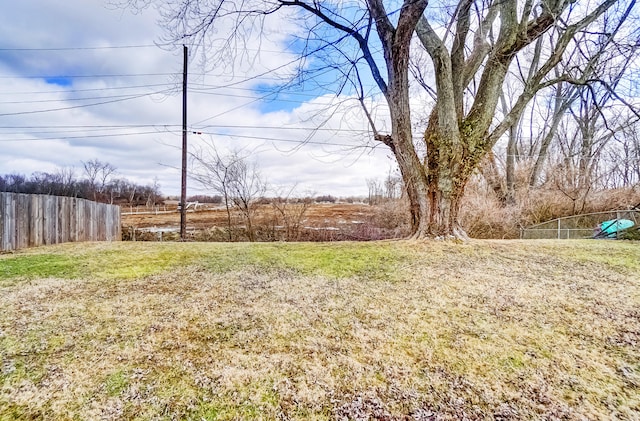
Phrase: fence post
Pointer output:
(558, 228)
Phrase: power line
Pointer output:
(264, 97)
(120, 98)
(275, 139)
(237, 108)
(118, 47)
(61, 91)
(313, 129)
(89, 126)
(86, 76)
(262, 75)
(53, 130)
(197, 87)
(95, 136)
(154, 45)
(85, 130)
(41, 101)
(156, 132)
(275, 93)
(81, 106)
(110, 47)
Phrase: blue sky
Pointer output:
(81, 79)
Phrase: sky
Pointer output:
(83, 80)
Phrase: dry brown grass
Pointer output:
(316, 215)
(484, 216)
(424, 331)
(318, 222)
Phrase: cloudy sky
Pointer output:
(82, 79)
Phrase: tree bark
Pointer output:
(396, 45)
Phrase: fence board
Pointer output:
(49, 213)
(73, 221)
(9, 234)
(35, 220)
(81, 232)
(3, 242)
(22, 221)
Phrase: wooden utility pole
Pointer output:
(183, 191)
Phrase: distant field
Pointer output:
(319, 222)
(390, 330)
(318, 215)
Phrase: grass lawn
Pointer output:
(349, 331)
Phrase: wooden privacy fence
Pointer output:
(29, 220)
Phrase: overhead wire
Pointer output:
(300, 142)
(88, 126)
(110, 135)
(117, 47)
(106, 47)
(266, 95)
(58, 130)
(258, 127)
(41, 101)
(156, 132)
(120, 98)
(100, 76)
(60, 91)
(81, 106)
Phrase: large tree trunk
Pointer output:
(411, 168)
(417, 192)
(447, 180)
(510, 193)
(396, 43)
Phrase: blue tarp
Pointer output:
(610, 228)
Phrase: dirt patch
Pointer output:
(321, 222)
(318, 215)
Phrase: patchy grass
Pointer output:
(388, 330)
(38, 266)
(126, 260)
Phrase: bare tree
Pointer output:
(598, 57)
(232, 176)
(213, 171)
(392, 186)
(152, 193)
(131, 194)
(471, 45)
(375, 191)
(624, 158)
(98, 174)
(247, 186)
(292, 211)
(66, 176)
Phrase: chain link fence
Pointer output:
(575, 227)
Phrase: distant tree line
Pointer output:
(203, 198)
(98, 182)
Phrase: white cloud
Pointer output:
(141, 136)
